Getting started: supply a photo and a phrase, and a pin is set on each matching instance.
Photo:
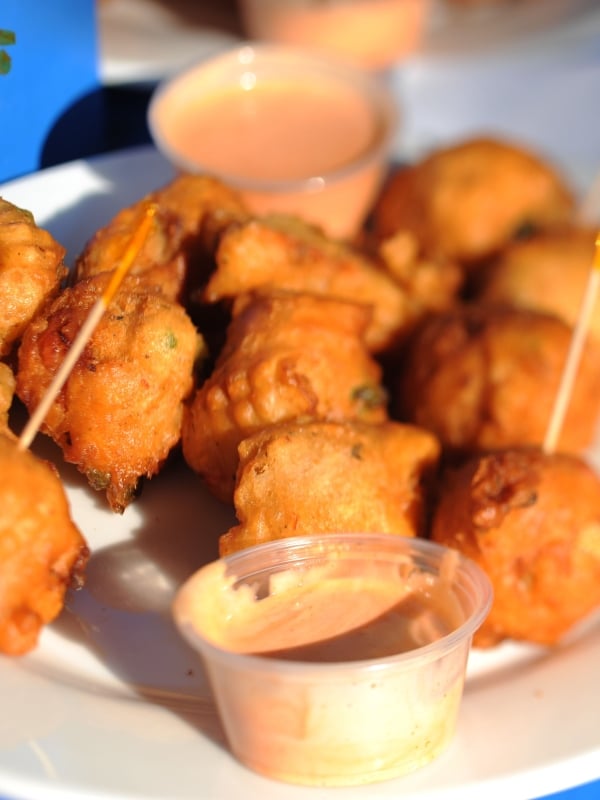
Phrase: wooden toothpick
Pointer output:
(565, 388)
(87, 329)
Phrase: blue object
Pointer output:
(588, 791)
(54, 67)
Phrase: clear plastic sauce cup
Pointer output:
(337, 659)
(292, 131)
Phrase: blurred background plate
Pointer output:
(147, 39)
(458, 27)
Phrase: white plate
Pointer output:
(113, 706)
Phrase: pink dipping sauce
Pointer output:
(279, 131)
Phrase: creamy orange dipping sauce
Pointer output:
(278, 130)
(341, 612)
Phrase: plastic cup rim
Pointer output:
(247, 53)
(460, 636)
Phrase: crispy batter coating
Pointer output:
(204, 205)
(191, 209)
(468, 200)
(484, 378)
(301, 478)
(532, 522)
(31, 271)
(431, 284)
(287, 253)
(42, 552)
(160, 260)
(548, 271)
(119, 413)
(287, 356)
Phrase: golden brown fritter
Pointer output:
(191, 209)
(484, 378)
(31, 271)
(119, 413)
(466, 201)
(532, 522)
(286, 356)
(160, 260)
(287, 253)
(548, 272)
(204, 205)
(42, 552)
(301, 478)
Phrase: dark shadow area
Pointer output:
(223, 16)
(110, 118)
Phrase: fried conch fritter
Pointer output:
(177, 254)
(286, 253)
(532, 522)
(486, 378)
(548, 271)
(160, 260)
(299, 478)
(119, 413)
(31, 271)
(466, 201)
(286, 356)
(42, 552)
